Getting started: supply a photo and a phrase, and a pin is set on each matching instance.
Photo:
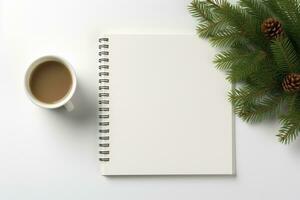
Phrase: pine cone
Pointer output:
(272, 28)
(291, 82)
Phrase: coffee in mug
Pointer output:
(50, 82)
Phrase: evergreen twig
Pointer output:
(260, 64)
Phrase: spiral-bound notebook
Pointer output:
(163, 107)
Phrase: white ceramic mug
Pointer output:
(66, 100)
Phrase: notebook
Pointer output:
(163, 107)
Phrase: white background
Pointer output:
(52, 154)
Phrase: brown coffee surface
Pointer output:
(50, 81)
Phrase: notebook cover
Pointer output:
(163, 107)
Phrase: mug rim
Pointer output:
(34, 65)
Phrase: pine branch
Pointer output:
(207, 30)
(284, 55)
(228, 38)
(226, 25)
(251, 59)
(240, 20)
(288, 11)
(247, 93)
(201, 10)
(290, 127)
(239, 73)
(240, 64)
(259, 12)
(258, 109)
(225, 59)
(256, 8)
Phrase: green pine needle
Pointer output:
(290, 127)
(256, 8)
(284, 55)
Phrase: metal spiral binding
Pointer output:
(103, 99)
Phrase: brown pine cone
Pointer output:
(291, 82)
(272, 28)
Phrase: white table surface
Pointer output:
(52, 154)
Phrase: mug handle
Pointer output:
(69, 106)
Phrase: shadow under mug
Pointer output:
(66, 100)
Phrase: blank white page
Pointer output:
(169, 112)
